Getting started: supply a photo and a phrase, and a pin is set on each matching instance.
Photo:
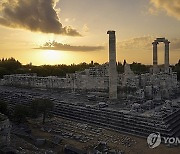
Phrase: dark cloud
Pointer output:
(172, 7)
(66, 47)
(34, 15)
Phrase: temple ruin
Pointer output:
(159, 83)
(166, 55)
(142, 102)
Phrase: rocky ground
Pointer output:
(59, 132)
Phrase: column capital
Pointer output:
(167, 42)
(155, 43)
(111, 32)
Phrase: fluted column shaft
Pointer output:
(155, 56)
(112, 66)
(166, 58)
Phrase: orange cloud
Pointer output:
(145, 43)
(172, 7)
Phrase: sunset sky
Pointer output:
(74, 31)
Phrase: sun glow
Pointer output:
(51, 57)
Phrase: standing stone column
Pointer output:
(112, 66)
(155, 57)
(166, 58)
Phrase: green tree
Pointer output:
(10, 64)
(20, 113)
(120, 67)
(139, 68)
(42, 106)
(3, 107)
